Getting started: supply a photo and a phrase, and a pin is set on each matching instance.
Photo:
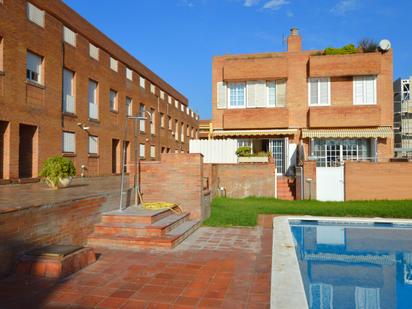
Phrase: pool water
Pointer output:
(360, 266)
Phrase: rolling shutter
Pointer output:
(251, 94)
(221, 95)
(260, 94)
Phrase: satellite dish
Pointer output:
(384, 45)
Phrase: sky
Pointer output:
(178, 38)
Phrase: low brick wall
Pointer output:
(378, 181)
(176, 178)
(242, 180)
(63, 223)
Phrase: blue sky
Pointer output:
(177, 38)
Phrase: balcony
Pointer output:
(256, 68)
(256, 118)
(93, 111)
(345, 65)
(68, 104)
(344, 116)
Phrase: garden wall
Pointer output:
(67, 222)
(243, 179)
(378, 181)
(176, 178)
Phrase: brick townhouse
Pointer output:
(332, 107)
(66, 88)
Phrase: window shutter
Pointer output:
(251, 93)
(35, 14)
(260, 94)
(69, 36)
(221, 95)
(271, 93)
(369, 90)
(314, 91)
(358, 90)
(323, 91)
(281, 93)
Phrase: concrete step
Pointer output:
(169, 240)
(136, 215)
(158, 228)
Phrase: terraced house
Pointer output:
(331, 107)
(66, 88)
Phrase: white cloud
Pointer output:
(344, 6)
(249, 3)
(275, 4)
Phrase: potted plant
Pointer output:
(58, 172)
(245, 156)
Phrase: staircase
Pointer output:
(136, 227)
(285, 188)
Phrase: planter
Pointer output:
(253, 159)
(65, 182)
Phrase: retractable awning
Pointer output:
(380, 132)
(229, 133)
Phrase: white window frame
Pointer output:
(129, 74)
(94, 51)
(142, 82)
(229, 95)
(114, 64)
(318, 79)
(35, 15)
(69, 36)
(39, 68)
(93, 145)
(69, 139)
(362, 79)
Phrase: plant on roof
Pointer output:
(368, 45)
(345, 50)
(55, 169)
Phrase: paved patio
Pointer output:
(213, 268)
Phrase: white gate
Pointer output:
(330, 183)
(215, 151)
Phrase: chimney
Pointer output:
(294, 41)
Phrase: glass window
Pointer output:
(35, 15)
(69, 145)
(93, 105)
(271, 93)
(93, 144)
(93, 51)
(152, 151)
(142, 150)
(68, 95)
(129, 74)
(34, 68)
(142, 82)
(69, 36)
(113, 64)
(142, 114)
(113, 100)
(152, 88)
(364, 90)
(152, 122)
(162, 120)
(236, 95)
(319, 91)
(129, 106)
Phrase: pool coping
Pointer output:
(287, 289)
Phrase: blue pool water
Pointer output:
(355, 266)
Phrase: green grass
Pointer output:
(243, 212)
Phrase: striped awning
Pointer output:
(228, 133)
(380, 132)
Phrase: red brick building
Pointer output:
(66, 88)
(337, 107)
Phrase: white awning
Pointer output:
(233, 133)
(380, 132)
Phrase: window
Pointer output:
(129, 74)
(142, 150)
(162, 94)
(129, 106)
(364, 90)
(319, 91)
(152, 151)
(162, 120)
(188, 131)
(152, 122)
(142, 82)
(152, 88)
(93, 104)
(182, 107)
(113, 100)
(69, 36)
(182, 132)
(69, 144)
(93, 144)
(176, 130)
(176, 103)
(236, 95)
(113, 64)
(35, 15)
(1, 54)
(93, 51)
(142, 114)
(169, 122)
(271, 86)
(187, 111)
(34, 65)
(68, 93)
(169, 99)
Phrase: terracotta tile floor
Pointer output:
(214, 268)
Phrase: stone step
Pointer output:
(136, 215)
(158, 228)
(169, 240)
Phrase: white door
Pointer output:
(330, 184)
(277, 148)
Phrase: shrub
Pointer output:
(245, 151)
(55, 168)
(347, 49)
(368, 45)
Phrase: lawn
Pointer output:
(243, 212)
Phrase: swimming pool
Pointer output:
(360, 265)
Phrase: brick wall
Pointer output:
(309, 173)
(242, 180)
(176, 178)
(64, 223)
(380, 181)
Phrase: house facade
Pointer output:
(302, 105)
(67, 89)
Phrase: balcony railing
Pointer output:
(69, 106)
(93, 111)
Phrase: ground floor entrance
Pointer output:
(27, 150)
